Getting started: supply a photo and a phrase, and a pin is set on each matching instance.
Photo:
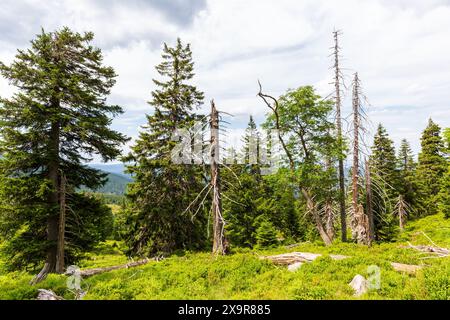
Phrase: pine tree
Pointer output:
(406, 167)
(266, 234)
(244, 191)
(162, 190)
(56, 121)
(444, 194)
(431, 168)
(252, 147)
(385, 181)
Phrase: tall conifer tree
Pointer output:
(162, 190)
(385, 181)
(431, 168)
(55, 122)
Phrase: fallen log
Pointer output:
(439, 252)
(287, 259)
(407, 268)
(90, 272)
(293, 257)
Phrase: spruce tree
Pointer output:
(385, 182)
(252, 148)
(444, 194)
(244, 191)
(406, 167)
(431, 167)
(162, 190)
(57, 120)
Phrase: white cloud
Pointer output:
(400, 48)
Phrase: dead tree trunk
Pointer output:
(61, 226)
(219, 242)
(329, 216)
(359, 221)
(337, 84)
(369, 203)
(312, 208)
(401, 211)
(328, 208)
(355, 167)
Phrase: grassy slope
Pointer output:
(244, 276)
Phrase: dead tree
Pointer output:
(219, 242)
(61, 225)
(359, 223)
(310, 203)
(328, 209)
(338, 79)
(369, 199)
(401, 210)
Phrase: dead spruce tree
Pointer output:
(359, 220)
(219, 241)
(338, 82)
(369, 200)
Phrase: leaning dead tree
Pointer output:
(272, 104)
(338, 81)
(359, 220)
(219, 242)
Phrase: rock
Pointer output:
(48, 295)
(294, 266)
(359, 284)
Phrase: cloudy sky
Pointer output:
(401, 49)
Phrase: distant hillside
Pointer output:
(116, 184)
(117, 168)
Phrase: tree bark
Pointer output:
(219, 242)
(52, 220)
(61, 226)
(317, 219)
(337, 83)
(369, 203)
(355, 167)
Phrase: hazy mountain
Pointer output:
(117, 168)
(117, 179)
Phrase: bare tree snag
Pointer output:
(329, 216)
(219, 242)
(355, 167)
(371, 233)
(337, 83)
(359, 221)
(401, 208)
(61, 226)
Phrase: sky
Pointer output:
(400, 48)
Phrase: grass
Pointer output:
(243, 275)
